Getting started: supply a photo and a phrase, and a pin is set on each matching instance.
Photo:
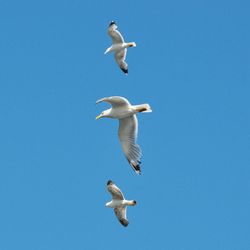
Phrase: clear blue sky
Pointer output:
(191, 64)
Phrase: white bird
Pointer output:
(128, 126)
(119, 203)
(119, 47)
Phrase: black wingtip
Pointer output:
(124, 222)
(112, 22)
(125, 71)
(136, 168)
(109, 182)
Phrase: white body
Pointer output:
(123, 112)
(118, 203)
(119, 46)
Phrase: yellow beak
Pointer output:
(98, 117)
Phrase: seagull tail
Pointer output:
(132, 44)
(143, 108)
(131, 203)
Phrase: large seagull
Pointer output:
(128, 126)
(119, 47)
(119, 203)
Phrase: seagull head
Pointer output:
(104, 113)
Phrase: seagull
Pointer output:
(128, 126)
(119, 203)
(118, 46)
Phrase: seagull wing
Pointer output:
(115, 34)
(120, 213)
(114, 191)
(115, 101)
(128, 129)
(120, 57)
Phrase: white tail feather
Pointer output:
(145, 108)
(131, 203)
(131, 44)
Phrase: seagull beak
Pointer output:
(98, 117)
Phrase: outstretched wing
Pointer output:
(115, 191)
(128, 129)
(120, 213)
(114, 33)
(115, 101)
(120, 57)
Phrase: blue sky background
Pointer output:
(191, 64)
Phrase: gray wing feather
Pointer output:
(120, 213)
(115, 192)
(115, 101)
(115, 35)
(120, 57)
(128, 129)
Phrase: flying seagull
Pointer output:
(119, 203)
(118, 46)
(128, 126)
